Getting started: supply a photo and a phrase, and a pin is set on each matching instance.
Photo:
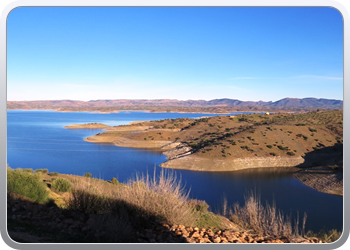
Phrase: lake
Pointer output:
(36, 139)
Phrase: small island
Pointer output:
(87, 125)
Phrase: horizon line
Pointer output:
(157, 99)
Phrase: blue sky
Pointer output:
(245, 53)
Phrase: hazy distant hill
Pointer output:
(286, 103)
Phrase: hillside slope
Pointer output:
(225, 143)
(172, 105)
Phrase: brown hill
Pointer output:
(217, 105)
(225, 143)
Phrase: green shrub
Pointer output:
(43, 171)
(282, 148)
(26, 183)
(114, 181)
(269, 146)
(27, 170)
(61, 185)
(88, 175)
(53, 174)
(198, 205)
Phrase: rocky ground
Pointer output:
(30, 222)
(322, 179)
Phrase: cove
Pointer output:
(37, 139)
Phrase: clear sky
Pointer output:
(245, 53)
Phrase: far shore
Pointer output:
(158, 111)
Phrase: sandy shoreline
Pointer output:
(195, 163)
(120, 141)
(87, 126)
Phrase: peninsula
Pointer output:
(230, 143)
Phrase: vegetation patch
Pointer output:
(27, 184)
(61, 185)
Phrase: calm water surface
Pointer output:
(37, 139)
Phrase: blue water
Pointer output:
(37, 139)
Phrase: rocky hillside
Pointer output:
(163, 105)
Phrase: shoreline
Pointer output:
(87, 126)
(195, 163)
(180, 157)
(322, 179)
(158, 111)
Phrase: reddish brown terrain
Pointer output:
(228, 143)
(169, 105)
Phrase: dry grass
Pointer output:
(266, 220)
(118, 211)
(163, 197)
(159, 198)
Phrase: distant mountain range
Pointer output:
(286, 103)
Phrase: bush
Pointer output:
(26, 183)
(282, 148)
(269, 146)
(198, 205)
(144, 198)
(53, 174)
(61, 185)
(27, 170)
(43, 171)
(114, 181)
(88, 175)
